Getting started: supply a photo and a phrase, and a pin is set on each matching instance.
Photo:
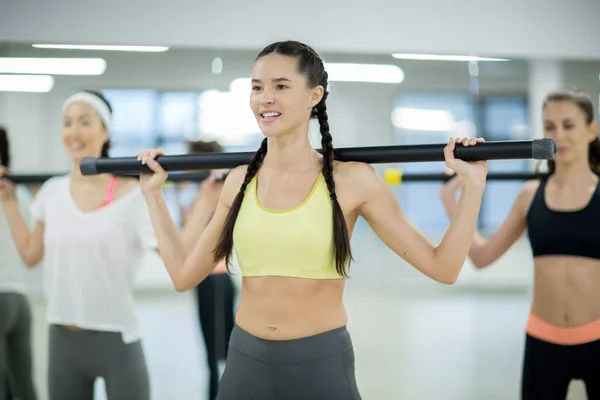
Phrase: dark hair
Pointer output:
(106, 145)
(309, 64)
(4, 148)
(200, 146)
(584, 101)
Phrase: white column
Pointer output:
(544, 77)
(360, 114)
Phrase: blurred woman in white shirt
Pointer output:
(91, 233)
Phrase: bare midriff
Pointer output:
(283, 308)
(566, 290)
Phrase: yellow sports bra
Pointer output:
(296, 242)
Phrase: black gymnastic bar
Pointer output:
(491, 176)
(174, 177)
(201, 176)
(539, 149)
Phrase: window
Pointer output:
(433, 118)
(151, 119)
(146, 118)
(424, 119)
(502, 118)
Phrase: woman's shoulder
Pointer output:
(233, 182)
(526, 194)
(127, 182)
(354, 173)
(126, 186)
(56, 182)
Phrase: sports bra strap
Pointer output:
(110, 193)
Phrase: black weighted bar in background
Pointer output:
(491, 176)
(396, 177)
(175, 177)
(539, 149)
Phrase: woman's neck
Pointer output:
(573, 174)
(77, 176)
(292, 153)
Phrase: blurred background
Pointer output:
(403, 72)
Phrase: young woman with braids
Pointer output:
(91, 232)
(289, 215)
(560, 213)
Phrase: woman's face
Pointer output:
(83, 132)
(281, 99)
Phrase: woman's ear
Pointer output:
(593, 131)
(316, 95)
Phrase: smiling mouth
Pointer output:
(269, 115)
(75, 146)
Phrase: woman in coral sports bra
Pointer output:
(289, 215)
(561, 215)
(91, 233)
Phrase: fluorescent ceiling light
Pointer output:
(423, 120)
(152, 49)
(26, 83)
(439, 57)
(53, 66)
(341, 72)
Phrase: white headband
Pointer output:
(97, 103)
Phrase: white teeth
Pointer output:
(270, 114)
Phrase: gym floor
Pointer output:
(414, 339)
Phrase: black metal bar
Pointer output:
(173, 177)
(498, 176)
(500, 150)
(200, 176)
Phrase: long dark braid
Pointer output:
(312, 67)
(225, 244)
(340, 233)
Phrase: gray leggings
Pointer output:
(77, 358)
(319, 367)
(16, 377)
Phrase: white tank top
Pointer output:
(91, 258)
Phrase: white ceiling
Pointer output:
(191, 69)
(509, 28)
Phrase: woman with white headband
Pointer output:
(91, 233)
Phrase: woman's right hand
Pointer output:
(7, 188)
(210, 189)
(152, 183)
(453, 183)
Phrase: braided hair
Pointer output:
(312, 67)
